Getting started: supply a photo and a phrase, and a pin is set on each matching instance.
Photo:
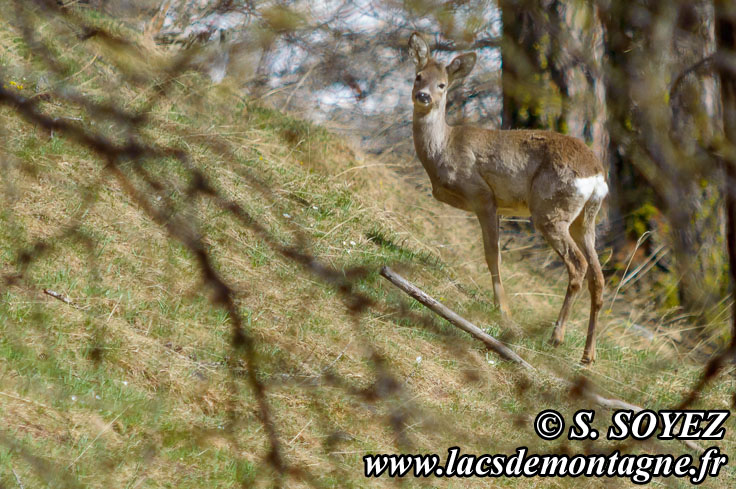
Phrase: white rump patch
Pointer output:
(592, 187)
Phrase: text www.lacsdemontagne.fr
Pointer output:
(640, 469)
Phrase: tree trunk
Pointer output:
(725, 13)
(552, 52)
(523, 61)
(694, 109)
(627, 184)
(656, 151)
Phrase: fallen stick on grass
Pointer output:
(504, 351)
(61, 297)
(454, 318)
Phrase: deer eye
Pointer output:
(442, 86)
(419, 77)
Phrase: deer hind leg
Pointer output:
(583, 232)
(557, 234)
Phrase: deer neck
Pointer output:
(431, 135)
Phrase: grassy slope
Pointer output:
(131, 389)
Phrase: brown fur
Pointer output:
(518, 172)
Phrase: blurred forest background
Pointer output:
(209, 187)
(637, 81)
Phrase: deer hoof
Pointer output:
(556, 339)
(587, 359)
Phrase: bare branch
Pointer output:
(704, 65)
(59, 296)
(455, 319)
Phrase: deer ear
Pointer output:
(419, 50)
(460, 66)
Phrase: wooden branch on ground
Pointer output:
(59, 296)
(455, 319)
(503, 350)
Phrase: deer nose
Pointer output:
(423, 98)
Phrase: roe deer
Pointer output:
(551, 177)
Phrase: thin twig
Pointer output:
(17, 479)
(300, 432)
(298, 86)
(638, 243)
(704, 64)
(103, 430)
(642, 269)
(17, 398)
(59, 296)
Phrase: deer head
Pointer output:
(433, 79)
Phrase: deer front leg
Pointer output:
(488, 218)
